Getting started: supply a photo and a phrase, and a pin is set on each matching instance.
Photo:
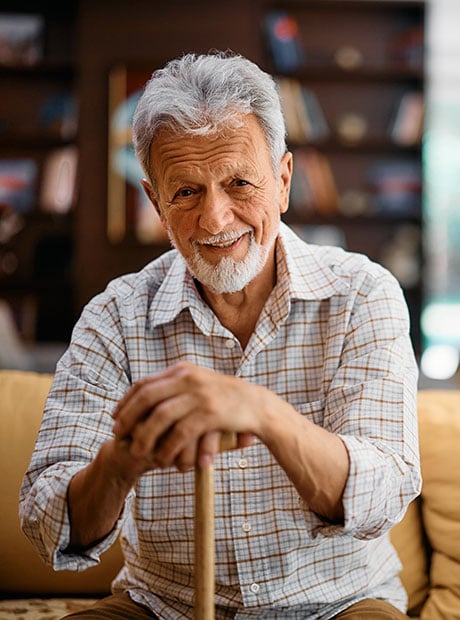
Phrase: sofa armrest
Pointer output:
(22, 397)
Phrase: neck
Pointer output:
(240, 311)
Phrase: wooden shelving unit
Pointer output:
(36, 246)
(359, 59)
(371, 87)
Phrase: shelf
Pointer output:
(368, 144)
(365, 5)
(55, 70)
(328, 72)
(32, 140)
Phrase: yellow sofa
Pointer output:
(428, 539)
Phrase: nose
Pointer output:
(216, 211)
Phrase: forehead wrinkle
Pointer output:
(227, 169)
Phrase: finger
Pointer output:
(141, 444)
(244, 440)
(140, 402)
(126, 396)
(187, 458)
(168, 372)
(180, 436)
(156, 426)
(208, 448)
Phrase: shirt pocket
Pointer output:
(313, 411)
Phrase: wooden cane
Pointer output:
(204, 535)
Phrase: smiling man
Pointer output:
(302, 351)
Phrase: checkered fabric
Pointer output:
(333, 341)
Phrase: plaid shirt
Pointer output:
(333, 341)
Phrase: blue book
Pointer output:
(284, 42)
(18, 184)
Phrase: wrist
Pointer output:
(113, 464)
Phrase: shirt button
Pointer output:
(230, 344)
(254, 587)
(243, 463)
(246, 526)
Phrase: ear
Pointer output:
(148, 189)
(285, 175)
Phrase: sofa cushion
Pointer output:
(439, 414)
(407, 537)
(22, 396)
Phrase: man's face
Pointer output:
(220, 201)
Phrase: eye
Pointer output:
(183, 193)
(240, 182)
(184, 198)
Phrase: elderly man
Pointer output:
(302, 351)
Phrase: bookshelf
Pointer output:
(363, 61)
(38, 161)
(354, 62)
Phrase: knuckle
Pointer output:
(143, 396)
(182, 432)
(140, 436)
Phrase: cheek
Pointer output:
(266, 222)
(181, 227)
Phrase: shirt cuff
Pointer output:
(372, 498)
(52, 525)
(375, 497)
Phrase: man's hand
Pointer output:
(176, 417)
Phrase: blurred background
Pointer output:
(371, 96)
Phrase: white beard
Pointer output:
(228, 275)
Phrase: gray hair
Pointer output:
(200, 94)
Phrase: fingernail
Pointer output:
(204, 460)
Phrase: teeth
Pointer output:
(224, 244)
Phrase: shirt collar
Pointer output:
(307, 274)
(300, 275)
(177, 292)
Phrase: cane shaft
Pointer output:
(204, 543)
(204, 534)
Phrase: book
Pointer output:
(406, 128)
(21, 39)
(18, 179)
(283, 38)
(305, 120)
(58, 115)
(301, 198)
(59, 176)
(314, 187)
(319, 128)
(396, 187)
(407, 46)
(295, 123)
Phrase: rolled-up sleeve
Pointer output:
(372, 405)
(45, 520)
(89, 381)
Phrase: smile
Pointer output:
(222, 242)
